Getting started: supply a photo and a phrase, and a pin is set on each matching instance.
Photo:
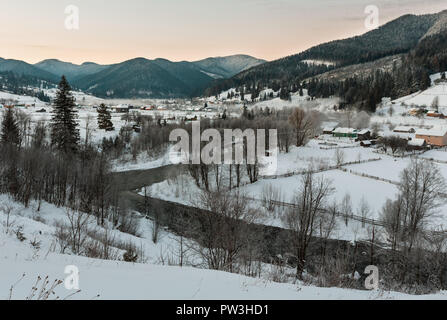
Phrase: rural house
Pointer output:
(436, 136)
(434, 114)
(122, 108)
(345, 133)
(417, 144)
(328, 130)
(364, 134)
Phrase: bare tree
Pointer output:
(394, 142)
(420, 188)
(346, 207)
(303, 125)
(339, 157)
(392, 214)
(327, 224)
(7, 209)
(78, 227)
(89, 120)
(303, 217)
(364, 210)
(435, 104)
(224, 232)
(270, 195)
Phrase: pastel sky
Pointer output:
(115, 30)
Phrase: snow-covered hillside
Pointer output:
(426, 98)
(81, 97)
(23, 263)
(21, 100)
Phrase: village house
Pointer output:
(434, 114)
(436, 136)
(415, 111)
(345, 133)
(328, 130)
(364, 134)
(122, 108)
(417, 144)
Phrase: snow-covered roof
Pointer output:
(367, 142)
(344, 130)
(403, 129)
(364, 131)
(120, 106)
(416, 142)
(437, 131)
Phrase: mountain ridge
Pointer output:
(398, 36)
(181, 78)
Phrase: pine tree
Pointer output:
(10, 133)
(104, 118)
(285, 94)
(64, 127)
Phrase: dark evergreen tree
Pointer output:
(285, 94)
(104, 118)
(10, 133)
(64, 127)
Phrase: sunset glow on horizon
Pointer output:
(113, 31)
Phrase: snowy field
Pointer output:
(347, 182)
(426, 97)
(440, 155)
(374, 192)
(22, 100)
(316, 154)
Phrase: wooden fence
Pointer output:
(328, 168)
(346, 217)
